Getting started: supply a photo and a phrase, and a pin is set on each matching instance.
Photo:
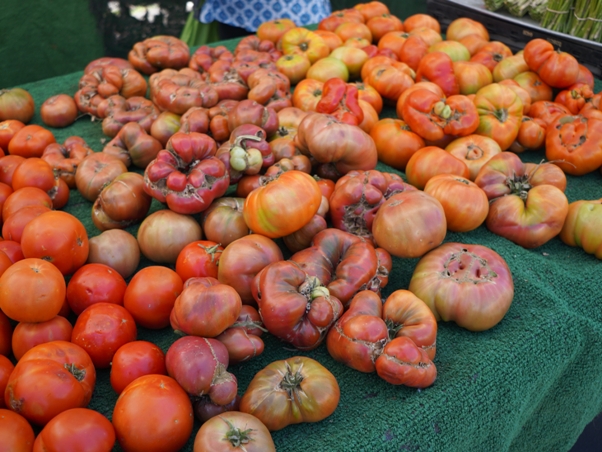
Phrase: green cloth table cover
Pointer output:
(532, 383)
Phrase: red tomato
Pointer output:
(95, 283)
(49, 379)
(101, 329)
(6, 368)
(153, 414)
(199, 259)
(27, 196)
(58, 237)
(12, 229)
(34, 172)
(231, 431)
(5, 262)
(12, 249)
(133, 360)
(8, 129)
(16, 433)
(30, 141)
(431, 161)
(76, 429)
(27, 335)
(151, 296)
(32, 290)
(402, 362)
(557, 69)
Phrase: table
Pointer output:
(531, 383)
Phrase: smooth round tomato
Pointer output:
(6, 368)
(76, 429)
(465, 204)
(12, 229)
(223, 221)
(27, 335)
(153, 414)
(133, 360)
(295, 67)
(199, 259)
(16, 433)
(101, 329)
(467, 284)
(16, 103)
(231, 431)
(27, 196)
(151, 296)
(273, 30)
(409, 224)
(8, 129)
(301, 41)
(34, 172)
(291, 391)
(116, 248)
(535, 86)
(431, 161)
(94, 283)
(395, 142)
(31, 141)
(283, 206)
(5, 262)
(12, 249)
(32, 290)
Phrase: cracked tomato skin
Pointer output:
(358, 337)
(291, 391)
(187, 175)
(357, 197)
(402, 362)
(468, 284)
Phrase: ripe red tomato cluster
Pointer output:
(303, 164)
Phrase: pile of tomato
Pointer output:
(273, 145)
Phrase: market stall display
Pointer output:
(490, 346)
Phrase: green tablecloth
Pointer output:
(531, 383)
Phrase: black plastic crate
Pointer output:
(515, 32)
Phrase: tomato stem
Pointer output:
(236, 436)
(291, 381)
(79, 374)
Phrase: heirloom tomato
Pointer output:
(464, 26)
(302, 41)
(395, 142)
(420, 21)
(232, 431)
(272, 30)
(583, 225)
(455, 50)
(291, 391)
(431, 161)
(534, 85)
(474, 151)
(557, 69)
(94, 283)
(402, 362)
(471, 76)
(500, 111)
(16, 103)
(438, 67)
(470, 285)
(199, 259)
(133, 360)
(30, 141)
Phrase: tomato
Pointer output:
(94, 283)
(473, 43)
(12, 249)
(349, 30)
(95, 171)
(431, 161)
(16, 103)
(531, 135)
(465, 204)
(471, 76)
(76, 429)
(389, 81)
(242, 259)
(304, 42)
(28, 335)
(582, 225)
(57, 237)
(437, 67)
(16, 433)
(331, 22)
(395, 142)
(12, 229)
(5, 262)
(199, 259)
(273, 30)
(522, 93)
(205, 308)
(133, 360)
(116, 248)
(501, 112)
(491, 54)
(101, 329)
(585, 76)
(27, 196)
(32, 290)
(6, 368)
(291, 391)
(30, 141)
(295, 67)
(153, 414)
(223, 221)
(420, 85)
(575, 97)
(470, 285)
(422, 229)
(420, 21)
(413, 50)
(340, 100)
(283, 206)
(575, 142)
(59, 111)
(393, 41)
(535, 86)
(527, 214)
(463, 27)
(402, 362)
(455, 50)
(199, 365)
(382, 24)
(557, 69)
(8, 130)
(6, 333)
(241, 345)
(231, 431)
(49, 379)
(307, 94)
(474, 151)
(548, 111)
(510, 67)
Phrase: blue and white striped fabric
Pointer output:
(252, 13)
